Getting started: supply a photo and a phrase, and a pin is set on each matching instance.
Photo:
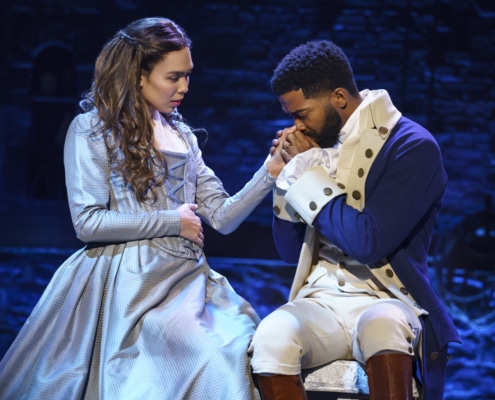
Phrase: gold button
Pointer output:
(276, 210)
(327, 191)
(368, 153)
(389, 273)
(312, 206)
(356, 195)
(382, 130)
(360, 172)
(341, 282)
(341, 185)
(434, 355)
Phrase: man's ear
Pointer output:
(340, 98)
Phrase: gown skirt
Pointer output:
(130, 321)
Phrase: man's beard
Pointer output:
(328, 135)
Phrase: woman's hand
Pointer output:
(190, 224)
(276, 162)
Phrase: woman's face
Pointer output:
(165, 86)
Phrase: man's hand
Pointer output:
(292, 142)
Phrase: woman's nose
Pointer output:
(184, 85)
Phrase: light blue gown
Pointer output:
(137, 313)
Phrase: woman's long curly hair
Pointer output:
(116, 96)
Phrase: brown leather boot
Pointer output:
(390, 376)
(281, 387)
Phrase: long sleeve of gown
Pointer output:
(93, 209)
(222, 211)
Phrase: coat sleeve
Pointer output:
(89, 191)
(405, 184)
(288, 237)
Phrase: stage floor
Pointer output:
(265, 284)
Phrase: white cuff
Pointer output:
(311, 192)
(281, 208)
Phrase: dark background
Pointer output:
(436, 58)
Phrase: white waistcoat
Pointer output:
(307, 195)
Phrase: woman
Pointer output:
(138, 313)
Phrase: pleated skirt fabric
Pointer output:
(127, 321)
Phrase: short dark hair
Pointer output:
(316, 67)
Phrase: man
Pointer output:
(357, 214)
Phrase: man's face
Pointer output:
(316, 117)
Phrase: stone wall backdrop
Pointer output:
(435, 57)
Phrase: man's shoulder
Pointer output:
(408, 130)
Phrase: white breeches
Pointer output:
(328, 325)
